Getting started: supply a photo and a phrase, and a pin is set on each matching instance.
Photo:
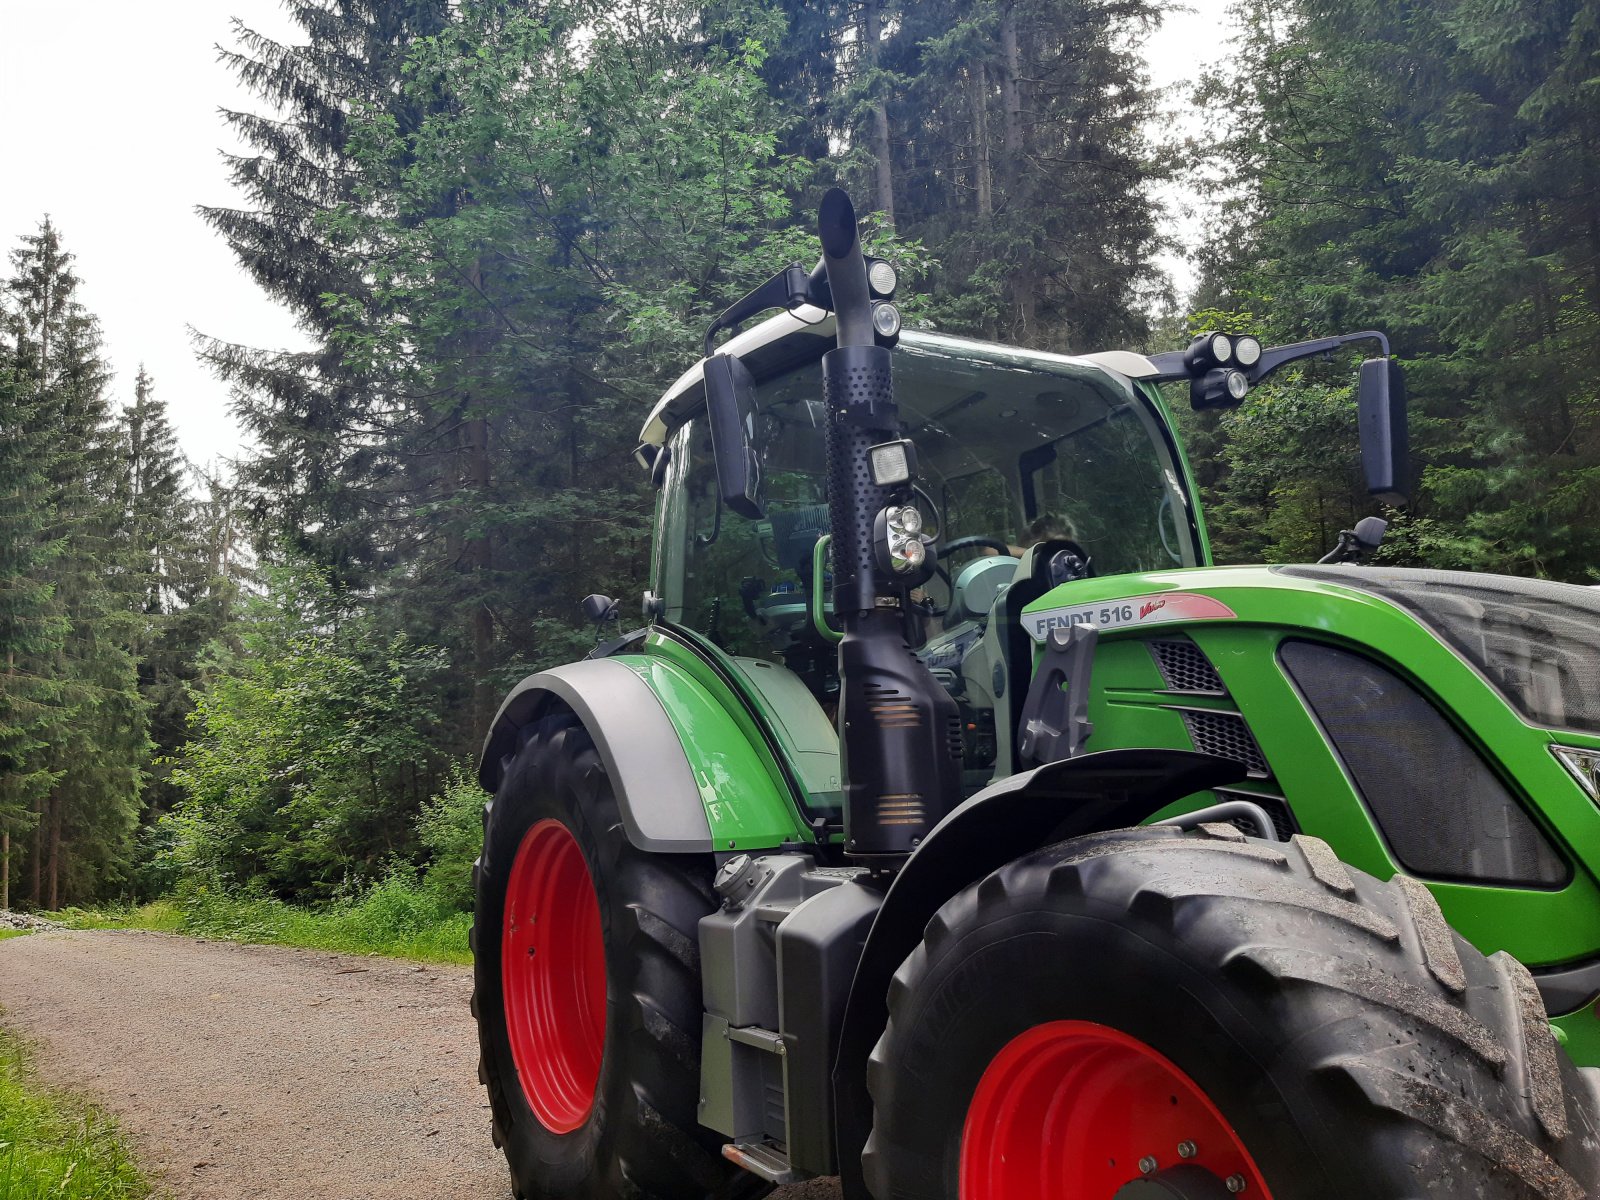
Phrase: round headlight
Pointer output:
(881, 279)
(885, 319)
(911, 555)
(910, 520)
(1238, 385)
(1248, 351)
(1221, 348)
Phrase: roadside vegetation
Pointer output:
(395, 918)
(56, 1146)
(408, 912)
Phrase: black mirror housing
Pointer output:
(1381, 416)
(730, 408)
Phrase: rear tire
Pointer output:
(618, 1114)
(1042, 1035)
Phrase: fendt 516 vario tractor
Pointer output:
(953, 827)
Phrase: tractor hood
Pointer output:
(1536, 642)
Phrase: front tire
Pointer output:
(1153, 1013)
(587, 989)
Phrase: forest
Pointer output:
(503, 229)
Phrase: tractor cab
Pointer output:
(1054, 466)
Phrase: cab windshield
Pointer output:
(1013, 448)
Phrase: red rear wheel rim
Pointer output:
(553, 971)
(1068, 1109)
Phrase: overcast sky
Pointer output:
(112, 126)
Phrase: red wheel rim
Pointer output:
(1068, 1109)
(553, 971)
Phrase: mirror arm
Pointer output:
(788, 289)
(1279, 356)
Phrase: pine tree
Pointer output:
(1430, 171)
(31, 630)
(95, 744)
(169, 575)
(321, 477)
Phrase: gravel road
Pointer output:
(267, 1073)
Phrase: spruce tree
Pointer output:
(169, 577)
(95, 744)
(31, 629)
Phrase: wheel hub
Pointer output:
(1176, 1183)
(1073, 1110)
(553, 975)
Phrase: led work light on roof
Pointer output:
(1221, 348)
(1219, 386)
(1246, 351)
(881, 279)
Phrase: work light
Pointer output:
(881, 279)
(1246, 351)
(885, 320)
(892, 463)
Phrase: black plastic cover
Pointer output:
(1443, 812)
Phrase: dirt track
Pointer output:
(264, 1073)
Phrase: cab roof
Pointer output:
(792, 339)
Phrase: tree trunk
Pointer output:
(1011, 97)
(980, 139)
(36, 892)
(5, 870)
(881, 150)
(477, 555)
(55, 857)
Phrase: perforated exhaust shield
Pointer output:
(1537, 642)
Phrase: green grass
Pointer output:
(394, 918)
(11, 933)
(54, 1146)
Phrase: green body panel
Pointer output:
(1130, 708)
(748, 799)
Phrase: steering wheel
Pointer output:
(956, 545)
(1165, 513)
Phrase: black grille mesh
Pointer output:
(1537, 642)
(1443, 812)
(1185, 668)
(1227, 736)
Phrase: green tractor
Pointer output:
(953, 827)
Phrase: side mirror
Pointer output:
(1381, 415)
(730, 407)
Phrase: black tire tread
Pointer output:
(1450, 1050)
(650, 1148)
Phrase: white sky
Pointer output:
(112, 126)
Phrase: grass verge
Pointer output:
(395, 918)
(57, 1147)
(11, 933)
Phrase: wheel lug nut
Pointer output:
(1148, 1164)
(1187, 1150)
(1235, 1183)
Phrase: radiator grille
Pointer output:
(1227, 736)
(1185, 668)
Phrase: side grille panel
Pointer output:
(1226, 735)
(1444, 813)
(1185, 668)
